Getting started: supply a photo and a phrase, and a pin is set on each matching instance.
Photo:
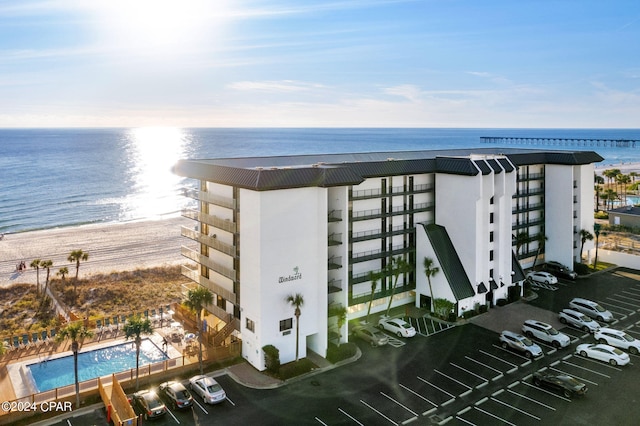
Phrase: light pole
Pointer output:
(596, 229)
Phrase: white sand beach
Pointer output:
(111, 247)
(625, 168)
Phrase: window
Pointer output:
(491, 255)
(251, 326)
(491, 200)
(490, 217)
(220, 302)
(286, 324)
(491, 236)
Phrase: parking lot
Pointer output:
(453, 375)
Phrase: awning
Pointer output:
(493, 285)
(482, 288)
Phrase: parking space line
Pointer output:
(232, 403)
(515, 408)
(350, 416)
(588, 369)
(494, 378)
(465, 420)
(320, 421)
(452, 379)
(431, 384)
(470, 372)
(574, 376)
(621, 307)
(378, 412)
(600, 363)
(546, 391)
(511, 352)
(635, 305)
(400, 404)
(498, 358)
(417, 394)
(201, 407)
(634, 296)
(494, 416)
(532, 400)
(174, 417)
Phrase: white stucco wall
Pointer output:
(282, 232)
(559, 208)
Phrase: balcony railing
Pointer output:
(335, 239)
(207, 197)
(205, 261)
(334, 216)
(195, 276)
(335, 262)
(211, 241)
(215, 221)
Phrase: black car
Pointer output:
(559, 270)
(569, 386)
(177, 394)
(148, 404)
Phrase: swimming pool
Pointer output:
(91, 364)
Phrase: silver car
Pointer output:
(591, 308)
(371, 335)
(509, 339)
(578, 320)
(209, 390)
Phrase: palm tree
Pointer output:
(62, 272)
(611, 195)
(540, 239)
(598, 191)
(46, 264)
(430, 270)
(521, 240)
(373, 277)
(623, 180)
(584, 237)
(35, 264)
(397, 267)
(296, 300)
(135, 327)
(77, 256)
(197, 299)
(611, 174)
(76, 332)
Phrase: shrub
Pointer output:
(581, 269)
(271, 358)
(601, 215)
(339, 353)
(501, 302)
(442, 307)
(296, 368)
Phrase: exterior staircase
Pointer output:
(232, 324)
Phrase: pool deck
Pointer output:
(13, 385)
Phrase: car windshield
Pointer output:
(599, 308)
(183, 394)
(214, 388)
(153, 402)
(628, 338)
(527, 342)
(585, 318)
(553, 331)
(406, 325)
(617, 351)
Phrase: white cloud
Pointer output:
(281, 86)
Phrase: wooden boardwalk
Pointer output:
(605, 143)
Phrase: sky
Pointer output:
(310, 63)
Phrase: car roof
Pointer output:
(573, 311)
(539, 323)
(580, 299)
(612, 331)
(512, 334)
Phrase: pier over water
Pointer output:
(606, 143)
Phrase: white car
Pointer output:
(546, 333)
(606, 353)
(210, 390)
(618, 339)
(578, 320)
(397, 326)
(542, 277)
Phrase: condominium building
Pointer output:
(334, 228)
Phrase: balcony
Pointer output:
(195, 276)
(207, 197)
(334, 286)
(364, 194)
(335, 216)
(205, 261)
(209, 219)
(210, 241)
(335, 239)
(335, 262)
(527, 207)
(378, 254)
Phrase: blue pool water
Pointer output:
(91, 364)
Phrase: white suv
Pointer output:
(509, 339)
(578, 320)
(617, 338)
(546, 333)
(592, 309)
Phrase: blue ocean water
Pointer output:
(65, 177)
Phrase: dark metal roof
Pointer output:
(449, 261)
(483, 166)
(518, 272)
(326, 170)
(494, 165)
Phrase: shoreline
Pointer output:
(114, 246)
